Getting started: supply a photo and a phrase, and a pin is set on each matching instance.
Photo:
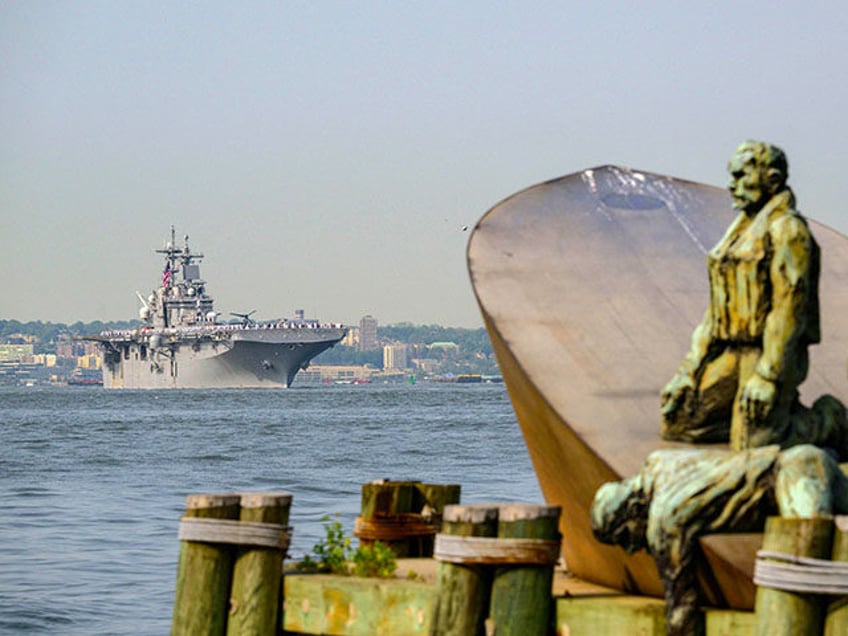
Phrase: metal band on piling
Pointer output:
(394, 527)
(800, 574)
(493, 550)
(247, 533)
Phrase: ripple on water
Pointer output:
(94, 482)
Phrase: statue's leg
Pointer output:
(675, 563)
(705, 414)
(790, 422)
(824, 425)
(809, 483)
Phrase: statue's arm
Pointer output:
(673, 394)
(790, 281)
(789, 276)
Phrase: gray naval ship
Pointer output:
(183, 345)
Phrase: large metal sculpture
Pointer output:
(748, 355)
(738, 383)
(590, 286)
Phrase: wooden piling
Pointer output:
(784, 613)
(521, 592)
(836, 621)
(204, 572)
(463, 590)
(404, 515)
(432, 501)
(257, 571)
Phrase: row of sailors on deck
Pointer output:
(203, 328)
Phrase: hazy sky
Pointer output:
(325, 155)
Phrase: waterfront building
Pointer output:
(16, 352)
(368, 334)
(394, 356)
(352, 337)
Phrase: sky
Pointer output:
(327, 155)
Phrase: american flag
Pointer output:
(166, 275)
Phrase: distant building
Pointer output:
(67, 348)
(444, 347)
(394, 356)
(427, 365)
(318, 373)
(352, 337)
(21, 338)
(89, 362)
(16, 352)
(368, 334)
(45, 359)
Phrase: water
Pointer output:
(93, 482)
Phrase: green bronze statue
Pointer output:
(680, 495)
(739, 381)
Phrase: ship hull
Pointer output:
(243, 359)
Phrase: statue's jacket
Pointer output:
(764, 287)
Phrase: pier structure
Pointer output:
(491, 569)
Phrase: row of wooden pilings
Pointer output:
(801, 575)
(495, 562)
(230, 569)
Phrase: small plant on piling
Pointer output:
(376, 560)
(334, 554)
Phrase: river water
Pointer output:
(93, 482)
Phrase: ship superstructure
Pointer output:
(183, 345)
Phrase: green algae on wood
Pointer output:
(464, 589)
(521, 593)
(204, 572)
(348, 606)
(257, 571)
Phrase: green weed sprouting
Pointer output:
(376, 560)
(335, 554)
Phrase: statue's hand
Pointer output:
(674, 394)
(758, 399)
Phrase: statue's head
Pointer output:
(619, 515)
(758, 171)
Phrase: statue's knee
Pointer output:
(803, 456)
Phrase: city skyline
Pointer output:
(335, 157)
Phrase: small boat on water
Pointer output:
(183, 345)
(590, 286)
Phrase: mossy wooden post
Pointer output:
(521, 593)
(385, 499)
(204, 572)
(433, 499)
(463, 590)
(257, 571)
(398, 514)
(784, 613)
(836, 622)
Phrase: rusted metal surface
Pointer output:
(590, 286)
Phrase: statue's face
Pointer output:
(747, 185)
